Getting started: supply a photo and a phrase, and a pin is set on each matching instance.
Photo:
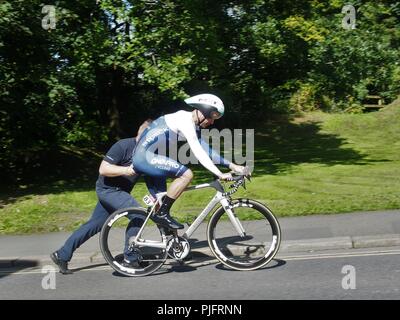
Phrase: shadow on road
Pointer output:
(278, 263)
(92, 266)
(158, 272)
(8, 267)
(183, 268)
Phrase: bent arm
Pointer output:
(215, 157)
(194, 144)
(202, 156)
(111, 170)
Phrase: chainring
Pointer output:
(178, 248)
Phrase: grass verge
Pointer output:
(315, 164)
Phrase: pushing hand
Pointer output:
(129, 171)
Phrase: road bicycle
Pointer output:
(243, 234)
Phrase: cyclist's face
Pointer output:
(203, 121)
(206, 123)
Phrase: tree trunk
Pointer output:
(113, 109)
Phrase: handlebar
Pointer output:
(239, 180)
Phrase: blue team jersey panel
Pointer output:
(151, 154)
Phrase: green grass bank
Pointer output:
(317, 163)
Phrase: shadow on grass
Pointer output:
(51, 171)
(280, 144)
(288, 144)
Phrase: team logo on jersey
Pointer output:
(152, 135)
(164, 162)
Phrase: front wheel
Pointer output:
(259, 244)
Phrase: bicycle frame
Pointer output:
(219, 197)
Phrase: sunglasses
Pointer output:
(215, 115)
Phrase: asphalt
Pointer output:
(299, 234)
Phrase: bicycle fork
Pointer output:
(233, 218)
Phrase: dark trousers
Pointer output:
(110, 200)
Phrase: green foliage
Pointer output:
(305, 29)
(85, 133)
(269, 40)
(109, 65)
(305, 98)
(358, 62)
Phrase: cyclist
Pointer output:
(113, 187)
(149, 159)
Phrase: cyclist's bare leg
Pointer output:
(179, 184)
(162, 216)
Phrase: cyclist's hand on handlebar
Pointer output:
(236, 168)
(226, 176)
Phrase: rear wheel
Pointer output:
(112, 243)
(259, 244)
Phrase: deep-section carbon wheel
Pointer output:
(258, 246)
(113, 243)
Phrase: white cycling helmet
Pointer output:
(209, 105)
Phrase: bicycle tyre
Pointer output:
(222, 237)
(115, 260)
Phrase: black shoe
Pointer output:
(166, 221)
(62, 265)
(136, 264)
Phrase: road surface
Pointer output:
(340, 274)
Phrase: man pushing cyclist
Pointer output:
(149, 159)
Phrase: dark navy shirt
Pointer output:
(119, 154)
